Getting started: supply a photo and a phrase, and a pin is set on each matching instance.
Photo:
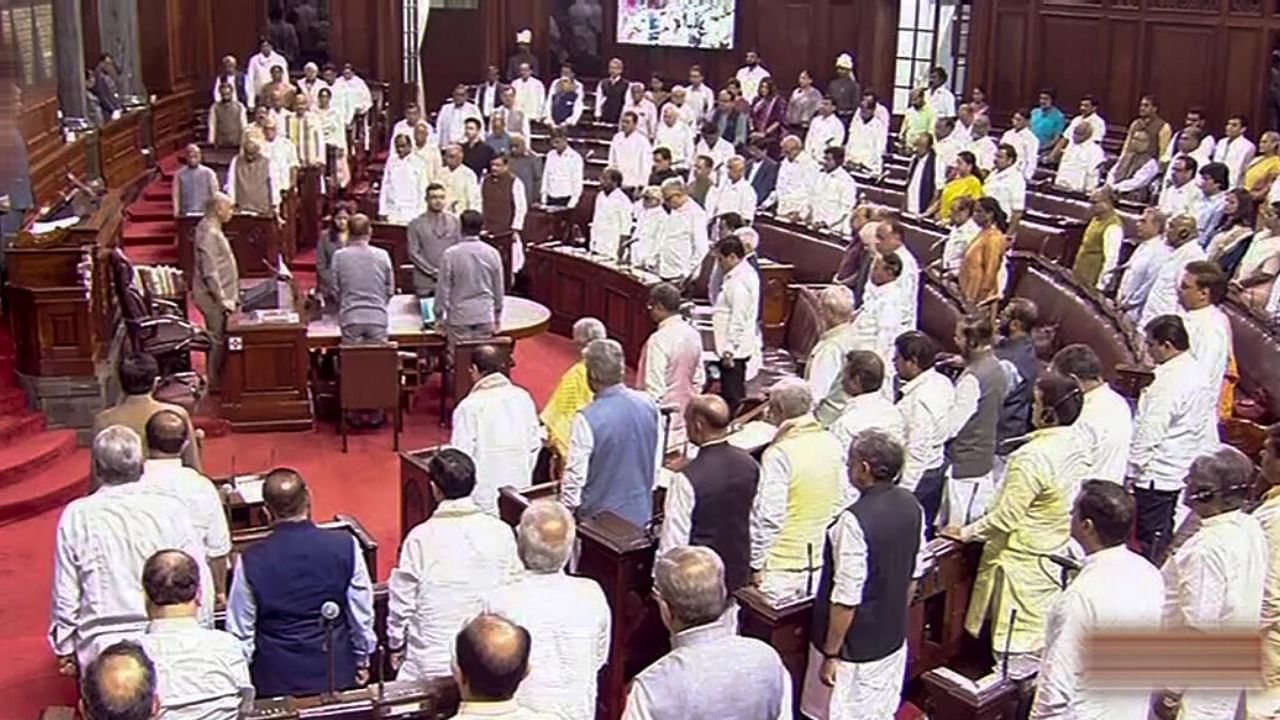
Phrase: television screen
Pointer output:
(702, 24)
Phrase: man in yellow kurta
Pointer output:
(1031, 517)
(572, 392)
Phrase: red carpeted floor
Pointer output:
(363, 482)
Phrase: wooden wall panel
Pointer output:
(1178, 66)
(237, 25)
(1119, 95)
(795, 33)
(1241, 92)
(1068, 55)
(1009, 57)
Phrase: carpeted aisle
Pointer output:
(363, 483)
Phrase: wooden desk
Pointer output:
(521, 318)
(431, 699)
(575, 284)
(119, 144)
(394, 239)
(264, 385)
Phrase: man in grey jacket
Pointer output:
(429, 235)
(470, 290)
(364, 281)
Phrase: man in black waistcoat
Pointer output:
(1017, 355)
(611, 94)
(870, 563)
(709, 503)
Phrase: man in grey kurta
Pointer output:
(364, 281)
(193, 184)
(429, 235)
(469, 296)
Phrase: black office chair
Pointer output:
(155, 326)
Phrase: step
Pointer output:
(20, 425)
(153, 254)
(8, 369)
(304, 260)
(22, 460)
(53, 486)
(150, 211)
(159, 232)
(12, 400)
(157, 192)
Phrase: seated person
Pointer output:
(202, 672)
(448, 566)
(138, 374)
(572, 392)
(193, 184)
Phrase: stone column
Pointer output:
(69, 51)
(118, 28)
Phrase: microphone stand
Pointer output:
(328, 649)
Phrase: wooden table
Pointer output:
(521, 318)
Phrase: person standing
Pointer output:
(1017, 355)
(1162, 299)
(251, 186)
(871, 561)
(611, 94)
(615, 451)
(631, 153)
(712, 672)
(491, 664)
(927, 397)
(193, 184)
(365, 281)
(279, 591)
(567, 617)
(736, 321)
(429, 235)
(1202, 288)
(836, 310)
(449, 564)
(1268, 515)
(402, 195)
(216, 286)
(505, 206)
(470, 292)
(562, 175)
(709, 501)
(1117, 589)
(1106, 421)
(611, 215)
(868, 407)
(670, 369)
(1100, 248)
(572, 392)
(750, 75)
(1145, 262)
(137, 374)
(683, 242)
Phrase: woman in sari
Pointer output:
(983, 259)
(769, 112)
(965, 183)
(1255, 276)
(1227, 242)
(1265, 167)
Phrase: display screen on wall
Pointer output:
(702, 24)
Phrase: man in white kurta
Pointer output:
(1144, 265)
(750, 75)
(283, 157)
(676, 136)
(1025, 142)
(567, 617)
(838, 339)
(461, 186)
(258, 74)
(451, 122)
(735, 321)
(351, 95)
(1201, 287)
(101, 544)
(671, 370)
(825, 130)
(927, 397)
(868, 408)
(403, 195)
(646, 112)
(1162, 299)
(496, 425)
(611, 218)
(734, 194)
(530, 92)
(1106, 420)
(449, 565)
(631, 153)
(867, 136)
(1235, 150)
(684, 242)
(834, 193)
(797, 175)
(1181, 195)
(562, 174)
(1117, 590)
(1082, 159)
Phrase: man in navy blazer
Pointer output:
(762, 170)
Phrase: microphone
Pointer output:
(328, 613)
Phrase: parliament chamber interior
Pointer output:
(643, 359)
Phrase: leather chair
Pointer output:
(369, 379)
(155, 327)
(1257, 351)
(456, 375)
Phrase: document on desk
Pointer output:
(428, 309)
(250, 488)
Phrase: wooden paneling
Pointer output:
(1242, 92)
(1190, 49)
(1010, 56)
(1120, 92)
(171, 122)
(119, 147)
(463, 33)
(1066, 37)
(237, 25)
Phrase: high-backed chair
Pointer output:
(369, 379)
(456, 373)
(155, 327)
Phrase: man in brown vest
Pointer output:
(227, 118)
(505, 202)
(1100, 246)
(215, 284)
(249, 184)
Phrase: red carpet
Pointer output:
(363, 482)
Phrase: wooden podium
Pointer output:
(256, 240)
(265, 385)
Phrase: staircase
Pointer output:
(39, 469)
(150, 234)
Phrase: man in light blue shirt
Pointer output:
(1213, 181)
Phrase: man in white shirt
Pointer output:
(562, 173)
(1117, 590)
(941, 99)
(259, 71)
(839, 338)
(200, 672)
(351, 96)
(1007, 185)
(530, 92)
(671, 371)
(631, 153)
(102, 542)
(310, 84)
(750, 75)
(1201, 147)
(646, 112)
(927, 397)
(452, 119)
(862, 379)
(1180, 195)
(448, 566)
(866, 145)
(1080, 167)
(1106, 419)
(461, 186)
(1215, 581)
(403, 195)
(1144, 264)
(686, 112)
(611, 218)
(1173, 427)
(567, 617)
(1202, 288)
(736, 320)
(283, 156)
(1187, 143)
(405, 126)
(834, 193)
(700, 97)
(165, 473)
(948, 145)
(1088, 114)
(888, 235)
(1021, 139)
(1235, 150)
(714, 147)
(964, 230)
(684, 242)
(981, 145)
(676, 136)
(496, 425)
(797, 175)
(1162, 299)
(825, 130)
(734, 194)
(491, 663)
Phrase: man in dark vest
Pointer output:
(227, 119)
(285, 586)
(611, 94)
(1017, 355)
(980, 393)
(709, 503)
(504, 200)
(869, 565)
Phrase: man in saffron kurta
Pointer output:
(572, 392)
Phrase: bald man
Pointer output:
(203, 672)
(709, 502)
(119, 685)
(491, 658)
(839, 338)
(167, 438)
(215, 285)
(734, 194)
(280, 586)
(193, 184)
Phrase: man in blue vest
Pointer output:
(614, 448)
(281, 588)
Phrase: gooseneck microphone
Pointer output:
(329, 612)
